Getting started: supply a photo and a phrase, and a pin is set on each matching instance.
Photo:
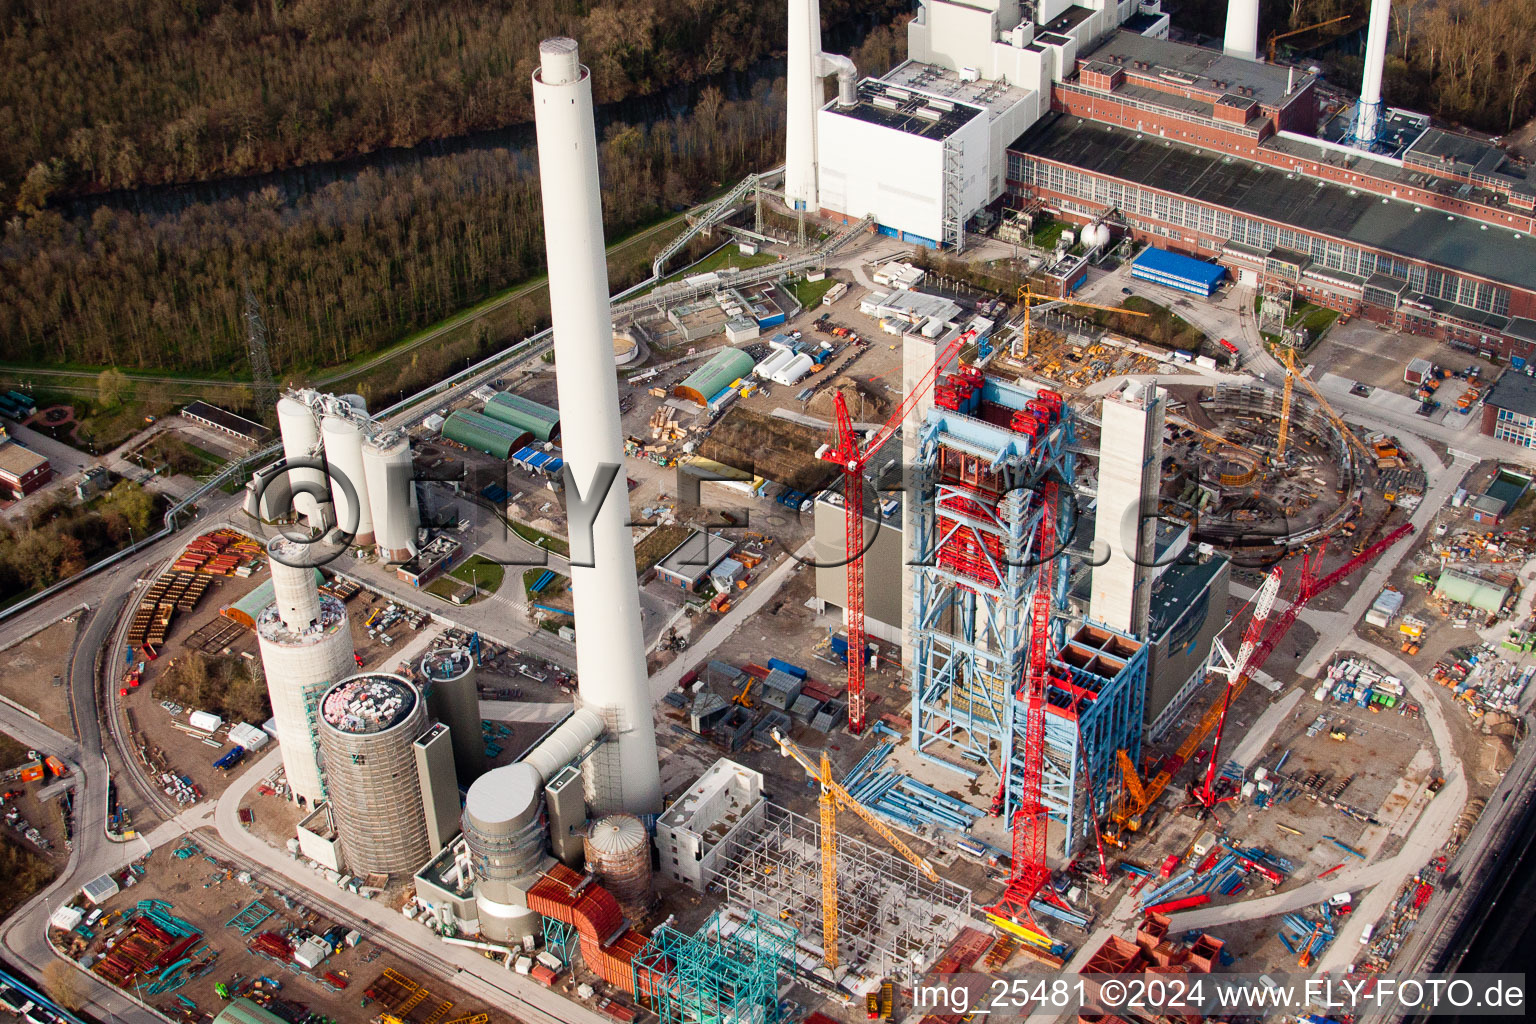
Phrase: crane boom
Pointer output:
(1137, 799)
(1298, 31)
(851, 457)
(1026, 295)
(1029, 872)
(1285, 406)
(833, 796)
(1333, 417)
(1181, 421)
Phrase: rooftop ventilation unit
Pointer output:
(944, 105)
(929, 114)
(885, 102)
(900, 94)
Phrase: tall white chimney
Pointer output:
(1368, 114)
(623, 774)
(803, 93)
(1242, 38)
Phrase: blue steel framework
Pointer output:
(976, 520)
(560, 939)
(714, 978)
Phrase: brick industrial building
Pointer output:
(1228, 159)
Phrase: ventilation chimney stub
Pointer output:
(559, 62)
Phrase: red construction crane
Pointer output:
(1263, 602)
(1030, 874)
(852, 457)
(1138, 797)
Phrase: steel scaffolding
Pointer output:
(719, 975)
(981, 458)
(892, 921)
(560, 939)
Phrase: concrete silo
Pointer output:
(306, 645)
(301, 440)
(368, 727)
(344, 455)
(391, 495)
(448, 680)
(504, 829)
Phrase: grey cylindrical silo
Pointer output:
(367, 725)
(504, 829)
(448, 680)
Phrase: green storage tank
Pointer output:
(707, 381)
(483, 434)
(516, 411)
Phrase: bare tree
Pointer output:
(62, 982)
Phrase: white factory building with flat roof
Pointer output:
(924, 149)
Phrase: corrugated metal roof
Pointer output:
(483, 433)
(243, 1011)
(1185, 268)
(539, 420)
(723, 367)
(1464, 589)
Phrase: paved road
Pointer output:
(24, 933)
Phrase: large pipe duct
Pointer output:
(808, 65)
(622, 775)
(1368, 114)
(1242, 36)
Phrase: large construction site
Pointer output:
(843, 624)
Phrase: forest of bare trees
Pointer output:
(350, 266)
(120, 93)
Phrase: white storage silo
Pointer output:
(391, 495)
(301, 440)
(344, 455)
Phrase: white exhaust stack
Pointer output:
(1242, 38)
(623, 774)
(807, 66)
(1368, 114)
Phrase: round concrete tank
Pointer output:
(344, 455)
(619, 853)
(625, 348)
(1237, 473)
(391, 495)
(368, 723)
(301, 437)
(504, 830)
(448, 680)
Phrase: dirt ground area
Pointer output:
(207, 894)
(35, 669)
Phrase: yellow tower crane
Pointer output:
(1285, 406)
(1028, 297)
(833, 796)
(1333, 417)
